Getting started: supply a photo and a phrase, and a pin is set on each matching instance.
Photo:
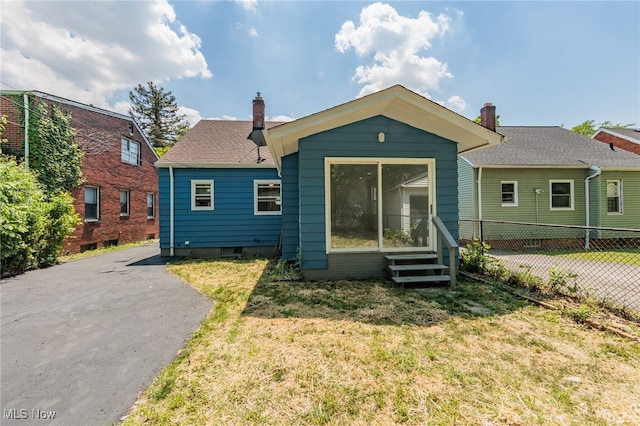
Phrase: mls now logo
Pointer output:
(23, 413)
(15, 414)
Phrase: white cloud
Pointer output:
(251, 5)
(281, 118)
(397, 44)
(192, 115)
(253, 32)
(86, 51)
(456, 103)
(224, 117)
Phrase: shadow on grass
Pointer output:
(375, 301)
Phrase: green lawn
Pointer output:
(631, 257)
(370, 353)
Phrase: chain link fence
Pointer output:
(584, 262)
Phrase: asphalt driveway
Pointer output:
(80, 341)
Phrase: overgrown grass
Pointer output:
(367, 352)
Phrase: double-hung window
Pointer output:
(614, 196)
(151, 205)
(91, 203)
(130, 152)
(267, 197)
(202, 195)
(124, 203)
(561, 193)
(509, 193)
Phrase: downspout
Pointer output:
(597, 170)
(479, 182)
(171, 212)
(25, 100)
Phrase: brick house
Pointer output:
(118, 199)
(627, 139)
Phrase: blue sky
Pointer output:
(540, 63)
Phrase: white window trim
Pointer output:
(329, 161)
(621, 204)
(515, 193)
(255, 197)
(97, 218)
(137, 161)
(128, 202)
(193, 195)
(153, 194)
(571, 198)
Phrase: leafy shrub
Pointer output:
(32, 227)
(474, 258)
(559, 281)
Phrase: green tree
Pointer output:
(53, 153)
(157, 113)
(589, 127)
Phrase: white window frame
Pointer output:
(378, 161)
(620, 204)
(257, 198)
(571, 195)
(97, 218)
(125, 152)
(128, 195)
(194, 184)
(514, 203)
(153, 205)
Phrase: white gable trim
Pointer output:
(397, 103)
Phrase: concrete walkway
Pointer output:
(81, 340)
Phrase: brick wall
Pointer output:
(618, 142)
(99, 136)
(13, 131)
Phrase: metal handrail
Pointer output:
(443, 233)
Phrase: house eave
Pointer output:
(397, 103)
(178, 165)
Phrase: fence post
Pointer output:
(481, 232)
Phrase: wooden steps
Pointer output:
(417, 269)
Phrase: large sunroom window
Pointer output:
(378, 204)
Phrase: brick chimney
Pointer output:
(258, 112)
(488, 116)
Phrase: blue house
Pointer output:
(362, 186)
(220, 191)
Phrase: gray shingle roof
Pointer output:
(218, 142)
(550, 146)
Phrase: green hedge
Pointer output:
(33, 226)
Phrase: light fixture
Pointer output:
(381, 137)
